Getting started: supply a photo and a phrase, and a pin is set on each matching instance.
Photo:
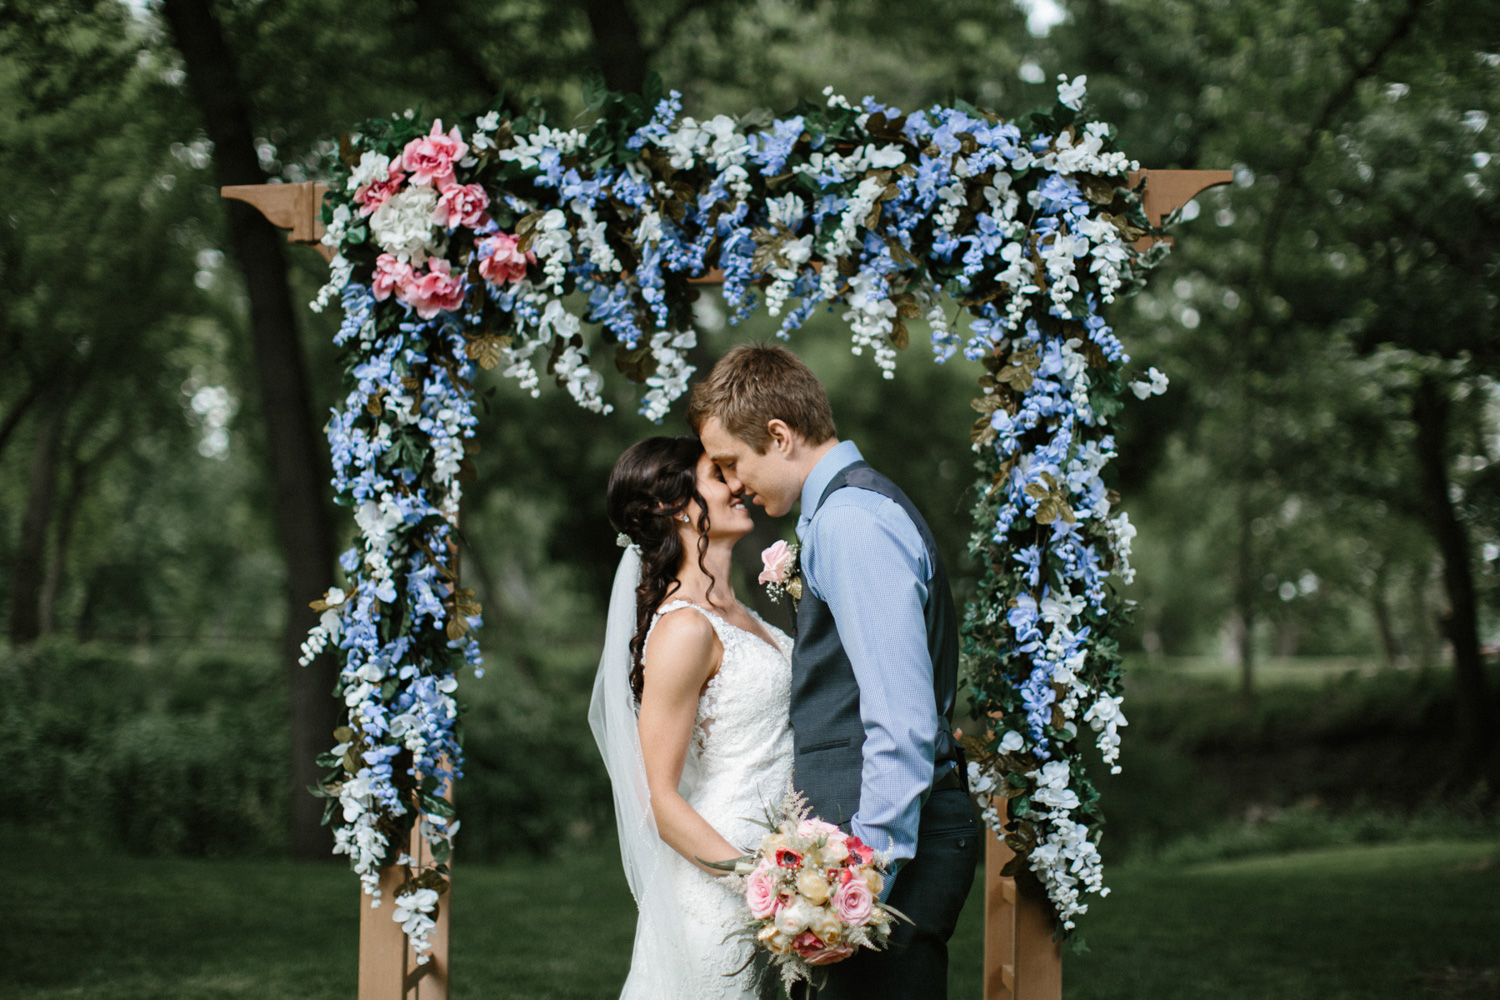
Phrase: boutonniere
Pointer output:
(779, 572)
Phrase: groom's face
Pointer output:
(768, 477)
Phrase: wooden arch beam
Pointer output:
(1021, 961)
(295, 207)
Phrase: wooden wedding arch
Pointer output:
(1021, 959)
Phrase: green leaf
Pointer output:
(436, 806)
(594, 90)
(653, 90)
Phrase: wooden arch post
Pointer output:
(1021, 960)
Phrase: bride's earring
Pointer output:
(683, 518)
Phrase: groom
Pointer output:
(874, 670)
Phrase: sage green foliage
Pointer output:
(1332, 752)
(153, 750)
(1364, 923)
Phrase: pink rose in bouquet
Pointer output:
(378, 192)
(815, 951)
(391, 275)
(462, 205)
(505, 263)
(777, 562)
(854, 902)
(813, 827)
(437, 290)
(430, 159)
(761, 893)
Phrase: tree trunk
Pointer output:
(82, 472)
(13, 418)
(618, 47)
(303, 526)
(1381, 609)
(1475, 714)
(31, 553)
(1245, 584)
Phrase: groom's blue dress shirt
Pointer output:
(864, 558)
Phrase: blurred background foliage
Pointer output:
(1316, 494)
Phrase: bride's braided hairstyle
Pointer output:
(653, 482)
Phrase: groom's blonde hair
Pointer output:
(756, 383)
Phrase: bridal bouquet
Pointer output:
(812, 892)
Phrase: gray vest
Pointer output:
(827, 733)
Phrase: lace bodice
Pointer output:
(740, 759)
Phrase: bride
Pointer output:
(690, 712)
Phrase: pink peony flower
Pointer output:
(760, 893)
(504, 263)
(854, 902)
(430, 158)
(391, 275)
(462, 205)
(435, 291)
(378, 192)
(815, 952)
(777, 561)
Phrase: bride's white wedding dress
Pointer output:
(739, 760)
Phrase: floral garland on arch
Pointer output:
(466, 247)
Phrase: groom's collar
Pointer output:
(839, 458)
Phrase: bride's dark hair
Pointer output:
(653, 482)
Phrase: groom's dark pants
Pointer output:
(930, 889)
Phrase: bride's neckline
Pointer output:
(765, 639)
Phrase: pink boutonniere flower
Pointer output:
(779, 572)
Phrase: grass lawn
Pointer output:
(1389, 921)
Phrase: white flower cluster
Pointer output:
(1085, 155)
(952, 200)
(358, 837)
(672, 373)
(529, 149)
(717, 141)
(1154, 384)
(403, 224)
(1105, 718)
(1109, 252)
(553, 247)
(414, 912)
(1068, 864)
(1121, 535)
(870, 318)
(797, 253)
(340, 270)
(372, 166)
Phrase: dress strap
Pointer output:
(714, 620)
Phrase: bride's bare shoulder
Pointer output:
(683, 641)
